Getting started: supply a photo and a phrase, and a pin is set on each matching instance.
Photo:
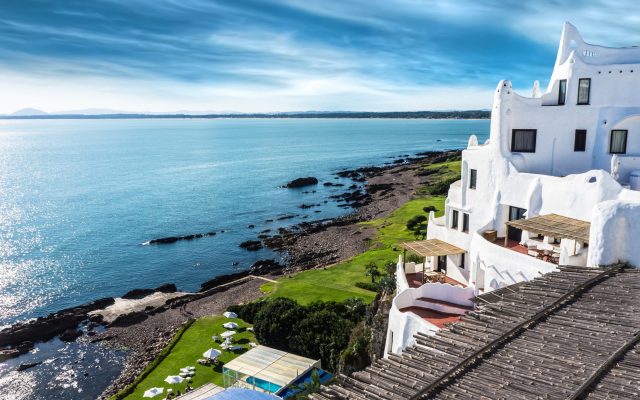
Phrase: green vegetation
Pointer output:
(319, 330)
(338, 282)
(185, 349)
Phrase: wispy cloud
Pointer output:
(284, 54)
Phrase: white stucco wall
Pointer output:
(615, 233)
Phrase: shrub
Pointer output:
(367, 286)
(321, 334)
(355, 357)
(387, 284)
(272, 323)
(371, 270)
(247, 312)
(416, 222)
(428, 209)
(390, 267)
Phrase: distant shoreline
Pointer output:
(470, 114)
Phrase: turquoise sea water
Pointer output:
(78, 197)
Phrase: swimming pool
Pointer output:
(299, 383)
(264, 385)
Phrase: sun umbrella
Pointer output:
(211, 354)
(230, 325)
(153, 392)
(227, 334)
(173, 379)
(230, 314)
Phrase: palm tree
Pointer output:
(372, 270)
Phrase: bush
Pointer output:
(416, 222)
(272, 323)
(367, 286)
(387, 284)
(356, 356)
(321, 335)
(247, 312)
(441, 187)
(390, 267)
(428, 209)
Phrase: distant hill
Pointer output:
(468, 114)
(27, 112)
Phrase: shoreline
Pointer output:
(146, 330)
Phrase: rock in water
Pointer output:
(301, 182)
(251, 245)
(70, 335)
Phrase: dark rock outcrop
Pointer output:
(264, 267)
(251, 245)
(140, 293)
(301, 182)
(45, 328)
(173, 239)
(25, 366)
(70, 335)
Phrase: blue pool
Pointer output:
(264, 385)
(298, 384)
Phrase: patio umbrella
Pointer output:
(230, 325)
(228, 334)
(153, 392)
(230, 314)
(173, 379)
(211, 354)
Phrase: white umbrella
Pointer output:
(230, 314)
(173, 379)
(230, 325)
(228, 334)
(153, 392)
(211, 354)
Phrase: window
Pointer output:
(562, 92)
(454, 219)
(580, 143)
(462, 260)
(618, 143)
(523, 141)
(584, 87)
(465, 222)
(473, 175)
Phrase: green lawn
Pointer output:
(195, 341)
(337, 283)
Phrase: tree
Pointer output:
(307, 388)
(273, 323)
(322, 334)
(371, 270)
(387, 284)
(390, 268)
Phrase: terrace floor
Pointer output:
(438, 319)
(415, 280)
(517, 247)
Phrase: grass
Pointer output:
(195, 341)
(337, 283)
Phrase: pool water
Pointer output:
(303, 380)
(264, 385)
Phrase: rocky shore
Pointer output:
(145, 328)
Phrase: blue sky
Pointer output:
(285, 55)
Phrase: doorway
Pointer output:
(514, 214)
(442, 264)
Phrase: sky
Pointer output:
(287, 55)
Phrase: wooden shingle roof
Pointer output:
(570, 334)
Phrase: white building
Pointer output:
(570, 154)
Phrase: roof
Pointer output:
(243, 394)
(271, 365)
(432, 247)
(555, 225)
(204, 392)
(573, 333)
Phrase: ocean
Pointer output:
(78, 198)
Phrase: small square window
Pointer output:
(473, 175)
(580, 143)
(618, 143)
(454, 219)
(465, 222)
(562, 92)
(584, 89)
(523, 141)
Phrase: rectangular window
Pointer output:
(473, 175)
(523, 141)
(580, 143)
(618, 144)
(454, 219)
(462, 260)
(562, 92)
(584, 88)
(465, 222)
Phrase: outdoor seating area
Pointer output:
(429, 271)
(545, 235)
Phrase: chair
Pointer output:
(533, 252)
